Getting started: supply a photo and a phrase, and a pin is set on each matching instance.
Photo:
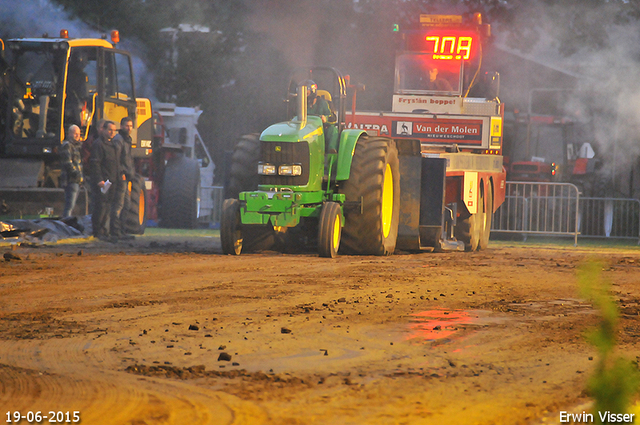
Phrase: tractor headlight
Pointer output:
(290, 170)
(266, 169)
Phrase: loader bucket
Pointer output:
(30, 203)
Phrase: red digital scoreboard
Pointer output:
(444, 45)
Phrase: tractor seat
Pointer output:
(333, 119)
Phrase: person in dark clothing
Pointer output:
(123, 198)
(71, 177)
(94, 134)
(106, 171)
(436, 82)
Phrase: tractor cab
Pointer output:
(330, 90)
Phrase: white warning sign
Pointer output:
(470, 191)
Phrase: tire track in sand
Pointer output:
(53, 376)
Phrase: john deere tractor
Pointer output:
(317, 182)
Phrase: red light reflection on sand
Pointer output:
(437, 324)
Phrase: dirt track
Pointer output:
(169, 331)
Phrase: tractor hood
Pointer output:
(291, 131)
(294, 143)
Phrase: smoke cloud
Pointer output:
(604, 53)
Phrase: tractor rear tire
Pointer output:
(329, 230)
(180, 194)
(375, 182)
(134, 218)
(243, 174)
(488, 219)
(230, 227)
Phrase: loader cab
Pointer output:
(52, 83)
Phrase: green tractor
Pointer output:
(313, 182)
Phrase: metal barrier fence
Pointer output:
(539, 208)
(558, 209)
(609, 218)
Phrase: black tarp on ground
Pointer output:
(46, 229)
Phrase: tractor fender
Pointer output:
(348, 140)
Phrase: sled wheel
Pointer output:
(470, 226)
(488, 218)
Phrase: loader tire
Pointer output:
(180, 194)
(243, 174)
(375, 182)
(329, 230)
(135, 216)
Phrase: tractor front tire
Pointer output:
(374, 182)
(329, 230)
(230, 227)
(180, 194)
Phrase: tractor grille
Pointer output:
(280, 153)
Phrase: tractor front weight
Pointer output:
(281, 209)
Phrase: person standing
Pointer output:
(122, 190)
(71, 177)
(106, 175)
(94, 133)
